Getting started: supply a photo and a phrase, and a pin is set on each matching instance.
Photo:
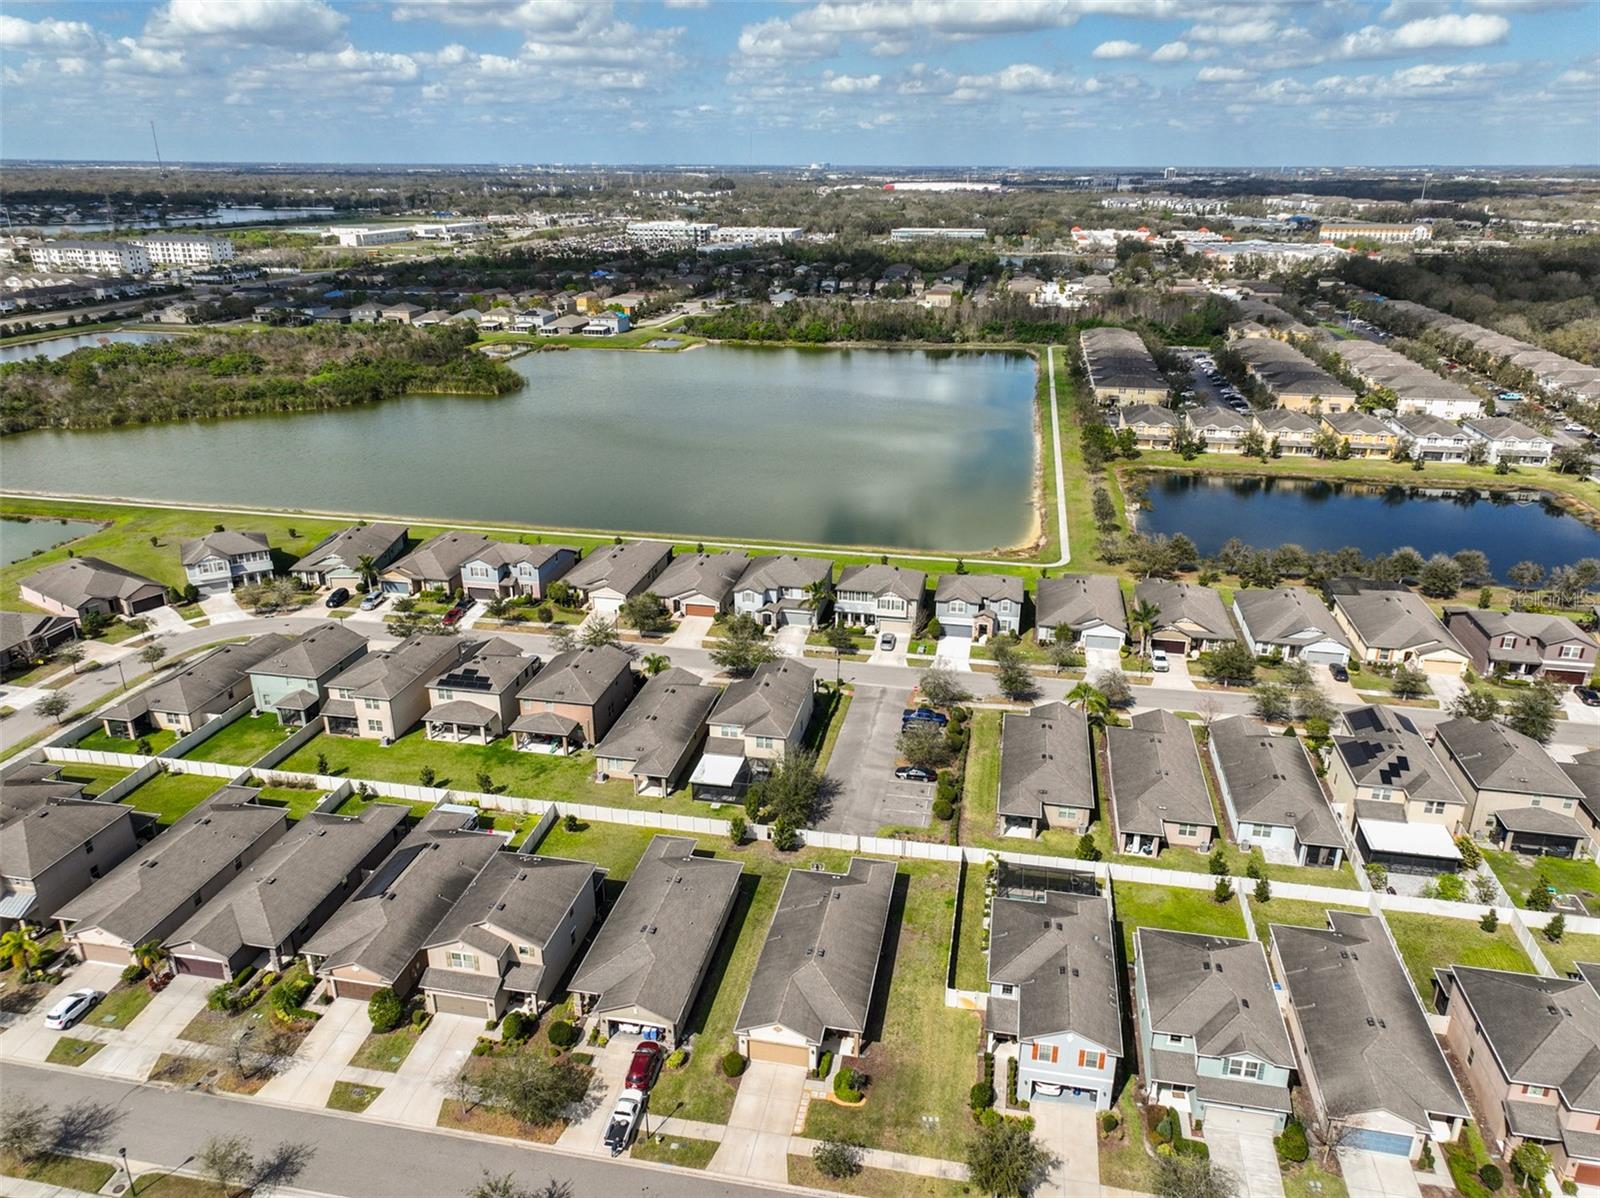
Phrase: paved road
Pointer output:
(354, 1158)
(867, 795)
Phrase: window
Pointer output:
(1433, 807)
(1188, 829)
(764, 742)
(525, 950)
(1571, 652)
(1239, 1067)
(1091, 1060)
(374, 725)
(1045, 1052)
(1535, 1091)
(1382, 793)
(370, 704)
(445, 696)
(1007, 990)
(1174, 1039)
(460, 960)
(1508, 642)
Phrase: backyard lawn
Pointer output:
(1518, 873)
(95, 778)
(169, 797)
(1299, 912)
(242, 742)
(1142, 906)
(1570, 949)
(297, 802)
(98, 742)
(1428, 942)
(972, 961)
(615, 848)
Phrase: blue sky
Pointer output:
(894, 82)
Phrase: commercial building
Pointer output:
(754, 234)
(93, 257)
(951, 234)
(668, 234)
(175, 250)
(1363, 230)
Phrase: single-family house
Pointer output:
(336, 560)
(644, 969)
(1434, 439)
(281, 898)
(1393, 793)
(1507, 440)
(400, 313)
(1291, 622)
(219, 561)
(293, 682)
(434, 565)
(1191, 617)
(1528, 1046)
(781, 590)
(366, 314)
(1397, 627)
(765, 716)
(1517, 796)
(195, 694)
(1153, 427)
(1210, 1033)
(377, 938)
(431, 317)
(977, 606)
(475, 698)
(563, 325)
(505, 570)
(1584, 770)
(1219, 428)
(1158, 795)
(813, 985)
(54, 842)
(613, 574)
(531, 320)
(1287, 433)
(1046, 771)
(1272, 796)
(575, 700)
(875, 596)
(659, 734)
(157, 887)
(510, 936)
(1054, 990)
(1084, 608)
(27, 636)
(383, 694)
(1367, 1057)
(1524, 644)
(606, 324)
(81, 585)
(700, 584)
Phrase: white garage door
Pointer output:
(1102, 640)
(606, 606)
(1323, 657)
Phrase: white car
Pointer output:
(1159, 662)
(71, 1009)
(624, 1124)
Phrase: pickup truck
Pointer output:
(624, 1124)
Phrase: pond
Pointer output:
(60, 347)
(24, 538)
(902, 448)
(1267, 512)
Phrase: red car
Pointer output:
(645, 1067)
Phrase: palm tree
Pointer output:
(20, 948)
(654, 663)
(1142, 620)
(150, 956)
(1090, 700)
(367, 570)
(817, 595)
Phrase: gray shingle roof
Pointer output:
(1283, 369)
(979, 588)
(1541, 821)
(784, 572)
(1216, 416)
(1384, 748)
(769, 701)
(1495, 757)
(201, 683)
(1541, 629)
(77, 580)
(226, 544)
(878, 579)
(1367, 1042)
(1285, 420)
(312, 653)
(1289, 616)
(820, 959)
(35, 838)
(19, 626)
(1148, 414)
(710, 574)
(1501, 428)
(662, 723)
(439, 558)
(1217, 990)
(527, 896)
(385, 675)
(1187, 606)
(1118, 358)
(1154, 775)
(488, 669)
(1045, 761)
(622, 568)
(1057, 950)
(1271, 781)
(653, 950)
(1584, 770)
(349, 545)
(578, 676)
(513, 553)
(1544, 1031)
(1395, 619)
(1079, 600)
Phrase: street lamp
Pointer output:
(123, 1153)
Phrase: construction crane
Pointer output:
(160, 166)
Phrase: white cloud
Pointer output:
(779, 39)
(853, 84)
(688, 3)
(890, 26)
(1236, 33)
(48, 35)
(1118, 49)
(363, 66)
(1171, 52)
(139, 59)
(1445, 31)
(1223, 75)
(289, 23)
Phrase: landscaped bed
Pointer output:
(243, 742)
(1429, 942)
(171, 796)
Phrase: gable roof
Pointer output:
(19, 626)
(313, 653)
(1495, 757)
(488, 668)
(1045, 761)
(1154, 775)
(1287, 616)
(1384, 748)
(221, 544)
(1584, 770)
(1149, 414)
(349, 545)
(769, 701)
(440, 557)
(77, 580)
(710, 574)
(36, 836)
(1271, 781)
(515, 553)
(819, 962)
(1079, 601)
(1503, 428)
(979, 588)
(622, 568)
(1286, 420)
(386, 674)
(784, 571)
(524, 895)
(878, 579)
(1543, 1031)
(1541, 629)
(1216, 415)
(661, 725)
(191, 689)
(1056, 948)
(1186, 604)
(1215, 989)
(578, 676)
(1395, 619)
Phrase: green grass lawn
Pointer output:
(242, 742)
(615, 848)
(1465, 1155)
(1299, 912)
(95, 778)
(355, 805)
(873, 1183)
(827, 720)
(1563, 954)
(386, 1051)
(1517, 875)
(1124, 1164)
(923, 1061)
(972, 961)
(675, 1150)
(178, 1185)
(73, 1173)
(1427, 942)
(1142, 906)
(1310, 1180)
(980, 796)
(98, 742)
(169, 797)
(120, 1007)
(69, 1050)
(352, 1096)
(297, 802)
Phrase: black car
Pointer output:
(915, 773)
(1587, 695)
(913, 715)
(338, 597)
(1340, 674)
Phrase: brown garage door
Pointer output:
(700, 609)
(456, 1004)
(200, 967)
(111, 954)
(1442, 665)
(361, 990)
(784, 1054)
(1174, 644)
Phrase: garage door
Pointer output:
(1324, 657)
(483, 593)
(1172, 645)
(109, 953)
(150, 603)
(784, 1054)
(1385, 1142)
(961, 630)
(200, 967)
(1442, 666)
(1073, 1094)
(1092, 640)
(360, 990)
(700, 609)
(606, 607)
(794, 616)
(456, 1004)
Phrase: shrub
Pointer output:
(733, 1063)
(1219, 861)
(1425, 1159)
(837, 1159)
(385, 1010)
(848, 1084)
(513, 1026)
(1109, 1122)
(981, 1096)
(1292, 1144)
(738, 829)
(1556, 929)
(678, 1059)
(564, 1034)
(1490, 920)
(132, 973)
(419, 1018)
(1169, 1129)
(1491, 1177)
(222, 998)
(943, 811)
(824, 1063)
(1223, 891)
(571, 824)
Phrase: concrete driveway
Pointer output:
(323, 1055)
(132, 1052)
(790, 641)
(1098, 661)
(414, 1092)
(1177, 676)
(1242, 1143)
(889, 657)
(756, 1144)
(223, 608)
(587, 1132)
(1067, 1129)
(867, 795)
(1375, 1174)
(691, 630)
(29, 1040)
(953, 653)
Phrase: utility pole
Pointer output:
(160, 166)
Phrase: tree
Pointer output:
(1529, 1165)
(922, 744)
(1572, 459)
(24, 1129)
(1526, 576)
(654, 663)
(385, 1010)
(819, 593)
(942, 688)
(1312, 704)
(151, 654)
(1142, 618)
(597, 633)
(791, 790)
(18, 946)
(426, 776)
(1192, 1177)
(743, 646)
(1409, 683)
(837, 1159)
(367, 570)
(150, 956)
(533, 1088)
(1006, 1160)
(71, 654)
(1440, 578)
(1475, 703)
(1533, 712)
(645, 612)
(1474, 564)
(1556, 928)
(227, 1160)
(1271, 702)
(1063, 654)
(1090, 700)
(52, 707)
(1231, 665)
(1014, 679)
(1114, 685)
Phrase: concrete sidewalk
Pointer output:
(419, 1087)
(323, 1056)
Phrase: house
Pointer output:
(1271, 794)
(507, 569)
(563, 325)
(475, 698)
(574, 700)
(434, 565)
(1393, 793)
(378, 937)
(658, 734)
(1210, 1033)
(430, 318)
(196, 694)
(613, 574)
(336, 560)
(1293, 380)
(1287, 433)
(1054, 992)
(277, 902)
(1584, 770)
(1366, 435)
(383, 694)
(700, 584)
(875, 596)
(1219, 428)
(1517, 796)
(1528, 1047)
(400, 313)
(1523, 644)
(366, 314)
(588, 302)
(977, 606)
(813, 985)
(1085, 608)
(1510, 441)
(531, 320)
(217, 562)
(765, 716)
(606, 324)
(1153, 427)
(54, 842)
(1292, 623)
(1121, 369)
(1158, 795)
(26, 637)
(157, 887)
(293, 682)
(510, 936)
(1191, 620)
(643, 971)
(1046, 771)
(1371, 1068)
(1396, 627)
(784, 590)
(1434, 439)
(81, 585)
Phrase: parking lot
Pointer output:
(866, 794)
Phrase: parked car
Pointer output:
(71, 1009)
(624, 1124)
(913, 714)
(915, 773)
(1587, 695)
(886, 641)
(1339, 673)
(372, 600)
(645, 1067)
(461, 607)
(337, 597)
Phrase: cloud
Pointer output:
(853, 84)
(1446, 31)
(1223, 75)
(1171, 52)
(137, 58)
(685, 4)
(363, 66)
(47, 35)
(288, 23)
(1118, 49)
(890, 26)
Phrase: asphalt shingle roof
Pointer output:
(1544, 1031)
(1057, 950)
(1079, 600)
(579, 676)
(349, 545)
(1384, 749)
(662, 723)
(386, 674)
(1399, 619)
(878, 579)
(769, 701)
(77, 580)
(1289, 616)
(1215, 989)
(622, 568)
(710, 574)
(1155, 777)
(227, 544)
(1271, 781)
(441, 557)
(1045, 761)
(312, 653)
(199, 684)
(1187, 606)
(1495, 757)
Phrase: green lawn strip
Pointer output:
(1124, 1164)
(243, 742)
(69, 1172)
(169, 797)
(98, 742)
(95, 778)
(980, 796)
(1428, 942)
(615, 848)
(1464, 1156)
(675, 1150)
(972, 961)
(385, 1051)
(873, 1183)
(297, 802)
(1518, 874)
(833, 720)
(120, 1007)
(1142, 906)
(922, 1055)
(1310, 1180)
(69, 1050)
(1302, 913)
(355, 805)
(179, 1185)
(1573, 947)
(352, 1096)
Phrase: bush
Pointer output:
(824, 1063)
(1491, 1177)
(1489, 921)
(1109, 1122)
(1556, 929)
(513, 1027)
(419, 1018)
(1292, 1144)
(132, 973)
(981, 1096)
(848, 1084)
(837, 1159)
(564, 1034)
(943, 811)
(738, 829)
(733, 1063)
(678, 1059)
(385, 1010)
(1223, 890)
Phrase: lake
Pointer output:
(24, 538)
(1267, 512)
(904, 448)
(59, 347)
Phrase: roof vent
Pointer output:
(270, 881)
(1553, 1010)
(1371, 1022)
(652, 929)
(1206, 965)
(821, 952)
(1074, 971)
(1245, 1003)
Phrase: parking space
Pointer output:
(28, 1040)
(889, 657)
(691, 630)
(323, 1055)
(415, 1091)
(1067, 1129)
(587, 1132)
(953, 653)
(1241, 1142)
(132, 1053)
(865, 793)
(756, 1144)
(1370, 1174)
(790, 641)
